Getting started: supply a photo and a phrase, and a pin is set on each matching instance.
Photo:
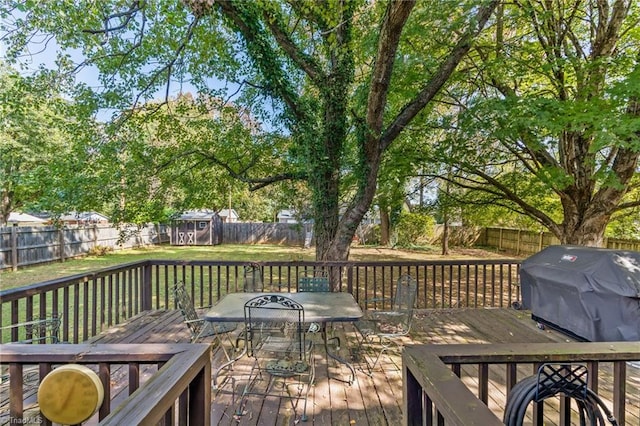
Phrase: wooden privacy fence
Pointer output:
(523, 242)
(23, 246)
(292, 234)
(29, 245)
(90, 303)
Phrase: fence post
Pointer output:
(61, 243)
(540, 240)
(14, 247)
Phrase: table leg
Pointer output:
(231, 359)
(337, 357)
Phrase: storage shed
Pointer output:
(196, 228)
(590, 293)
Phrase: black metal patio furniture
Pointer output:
(280, 350)
(39, 330)
(318, 282)
(199, 328)
(387, 327)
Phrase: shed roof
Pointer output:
(197, 215)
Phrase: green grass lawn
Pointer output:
(237, 252)
(242, 253)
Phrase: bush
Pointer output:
(368, 234)
(414, 229)
(99, 250)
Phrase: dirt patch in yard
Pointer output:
(383, 253)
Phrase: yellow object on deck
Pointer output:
(70, 394)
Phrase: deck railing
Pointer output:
(178, 391)
(89, 303)
(449, 384)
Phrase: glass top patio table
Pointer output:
(318, 307)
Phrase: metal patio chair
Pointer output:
(199, 328)
(276, 340)
(252, 283)
(318, 282)
(387, 327)
(39, 330)
(252, 277)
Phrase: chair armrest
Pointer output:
(386, 316)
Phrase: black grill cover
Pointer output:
(590, 293)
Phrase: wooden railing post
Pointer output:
(349, 278)
(619, 391)
(146, 289)
(412, 399)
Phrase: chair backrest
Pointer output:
(274, 315)
(405, 297)
(317, 282)
(44, 330)
(313, 284)
(185, 304)
(253, 278)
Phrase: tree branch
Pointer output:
(266, 59)
(438, 79)
(128, 15)
(395, 17)
(628, 205)
(304, 62)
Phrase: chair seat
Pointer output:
(389, 326)
(219, 328)
(283, 345)
(373, 327)
(286, 367)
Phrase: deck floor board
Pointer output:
(375, 400)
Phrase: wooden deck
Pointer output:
(373, 400)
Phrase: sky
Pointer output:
(89, 75)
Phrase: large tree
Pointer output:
(550, 128)
(324, 69)
(40, 131)
(156, 160)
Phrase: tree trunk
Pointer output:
(582, 228)
(6, 206)
(445, 237)
(385, 226)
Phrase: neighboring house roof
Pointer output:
(16, 217)
(228, 213)
(84, 217)
(286, 214)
